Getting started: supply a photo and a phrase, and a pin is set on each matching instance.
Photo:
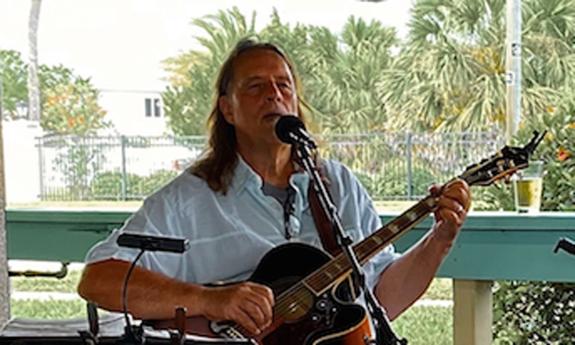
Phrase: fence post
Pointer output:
(40, 143)
(124, 175)
(408, 149)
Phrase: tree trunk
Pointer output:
(33, 81)
(4, 287)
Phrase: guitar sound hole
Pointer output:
(297, 305)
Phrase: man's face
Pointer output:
(262, 89)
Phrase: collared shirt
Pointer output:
(229, 234)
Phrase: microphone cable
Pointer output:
(128, 327)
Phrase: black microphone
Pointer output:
(291, 130)
(144, 243)
(153, 243)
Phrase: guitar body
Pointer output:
(326, 320)
(329, 319)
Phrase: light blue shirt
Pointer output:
(229, 234)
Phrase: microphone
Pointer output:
(291, 130)
(153, 243)
(144, 243)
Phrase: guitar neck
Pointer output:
(339, 267)
(377, 241)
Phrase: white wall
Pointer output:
(126, 110)
(21, 160)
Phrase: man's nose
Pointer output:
(273, 92)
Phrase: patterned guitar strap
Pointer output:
(322, 223)
(347, 291)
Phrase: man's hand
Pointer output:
(451, 211)
(248, 304)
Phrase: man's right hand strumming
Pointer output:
(248, 304)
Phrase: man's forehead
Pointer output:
(261, 63)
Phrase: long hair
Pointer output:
(217, 164)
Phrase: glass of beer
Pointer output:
(528, 185)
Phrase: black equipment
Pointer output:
(565, 244)
(291, 130)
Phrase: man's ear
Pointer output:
(226, 109)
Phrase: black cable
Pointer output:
(128, 328)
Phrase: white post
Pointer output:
(513, 68)
(33, 81)
(472, 312)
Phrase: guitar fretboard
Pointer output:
(338, 268)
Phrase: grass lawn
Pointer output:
(425, 326)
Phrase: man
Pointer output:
(245, 196)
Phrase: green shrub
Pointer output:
(540, 312)
(534, 313)
(156, 180)
(108, 186)
(393, 182)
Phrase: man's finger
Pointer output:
(243, 319)
(256, 312)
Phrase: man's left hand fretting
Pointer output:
(454, 200)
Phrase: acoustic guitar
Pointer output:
(306, 281)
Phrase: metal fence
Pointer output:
(390, 165)
(111, 168)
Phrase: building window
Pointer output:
(153, 107)
(157, 107)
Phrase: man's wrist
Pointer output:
(439, 241)
(197, 299)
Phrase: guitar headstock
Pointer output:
(501, 165)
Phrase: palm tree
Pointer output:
(450, 74)
(339, 73)
(341, 84)
(188, 100)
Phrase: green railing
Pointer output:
(491, 246)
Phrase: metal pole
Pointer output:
(513, 68)
(409, 148)
(124, 174)
(4, 281)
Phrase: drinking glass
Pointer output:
(528, 185)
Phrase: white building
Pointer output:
(134, 112)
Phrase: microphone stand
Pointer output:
(384, 333)
(137, 335)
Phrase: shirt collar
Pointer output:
(245, 177)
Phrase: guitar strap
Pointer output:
(322, 223)
(347, 292)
